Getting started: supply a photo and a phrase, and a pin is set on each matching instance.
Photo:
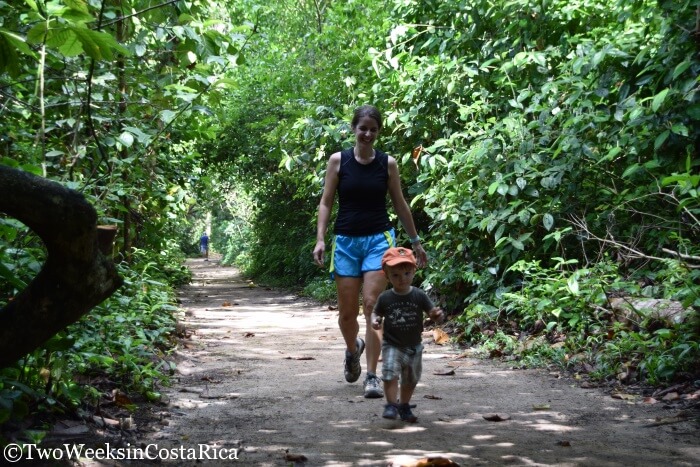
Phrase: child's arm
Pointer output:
(376, 321)
(436, 314)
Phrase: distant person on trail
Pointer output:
(401, 309)
(204, 246)
(362, 176)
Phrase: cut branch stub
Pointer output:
(76, 277)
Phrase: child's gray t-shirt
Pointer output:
(403, 316)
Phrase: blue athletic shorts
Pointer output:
(404, 363)
(353, 256)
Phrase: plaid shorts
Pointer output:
(404, 362)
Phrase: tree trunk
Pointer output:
(76, 276)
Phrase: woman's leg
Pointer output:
(374, 283)
(348, 308)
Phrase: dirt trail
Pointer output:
(261, 379)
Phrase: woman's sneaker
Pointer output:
(373, 387)
(353, 368)
(406, 414)
(391, 411)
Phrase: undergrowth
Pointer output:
(121, 346)
(590, 321)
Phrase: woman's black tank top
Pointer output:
(362, 193)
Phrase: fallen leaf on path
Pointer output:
(681, 417)
(496, 417)
(105, 422)
(566, 444)
(674, 388)
(444, 372)
(249, 334)
(294, 457)
(541, 407)
(209, 379)
(226, 304)
(649, 400)
(624, 397)
(440, 337)
(121, 399)
(671, 396)
(430, 396)
(432, 462)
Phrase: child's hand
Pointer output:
(437, 315)
(376, 322)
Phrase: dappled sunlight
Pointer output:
(379, 443)
(410, 456)
(544, 421)
(346, 423)
(437, 356)
(611, 409)
(310, 374)
(520, 460)
(188, 403)
(401, 427)
(455, 421)
(544, 414)
(491, 374)
(542, 425)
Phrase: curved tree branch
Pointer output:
(76, 276)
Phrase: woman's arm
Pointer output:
(326, 206)
(404, 212)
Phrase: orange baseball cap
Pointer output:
(400, 255)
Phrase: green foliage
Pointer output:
(321, 289)
(126, 341)
(521, 129)
(548, 149)
(279, 131)
(657, 357)
(563, 315)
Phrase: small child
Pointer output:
(401, 308)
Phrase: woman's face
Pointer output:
(366, 131)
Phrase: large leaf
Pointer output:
(98, 45)
(659, 100)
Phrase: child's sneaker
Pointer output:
(353, 368)
(391, 411)
(406, 414)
